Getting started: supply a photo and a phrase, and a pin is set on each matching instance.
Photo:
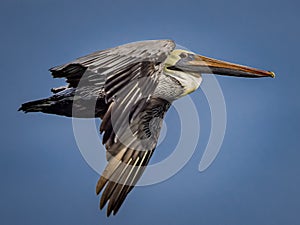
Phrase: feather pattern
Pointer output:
(116, 85)
(126, 163)
(128, 75)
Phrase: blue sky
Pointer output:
(255, 178)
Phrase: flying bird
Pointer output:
(130, 88)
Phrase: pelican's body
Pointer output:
(127, 87)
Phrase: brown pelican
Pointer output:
(130, 87)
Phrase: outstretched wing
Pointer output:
(97, 67)
(128, 75)
(128, 158)
(125, 74)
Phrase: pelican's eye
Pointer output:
(183, 55)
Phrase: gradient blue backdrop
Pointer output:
(255, 178)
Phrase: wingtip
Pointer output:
(101, 205)
(103, 201)
(21, 108)
(109, 209)
(108, 213)
(100, 184)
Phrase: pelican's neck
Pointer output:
(172, 86)
(189, 81)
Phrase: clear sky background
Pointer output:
(255, 178)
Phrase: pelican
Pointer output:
(130, 88)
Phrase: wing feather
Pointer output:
(121, 177)
(106, 62)
(128, 75)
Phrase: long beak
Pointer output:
(204, 64)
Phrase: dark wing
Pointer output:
(128, 74)
(125, 74)
(127, 161)
(97, 67)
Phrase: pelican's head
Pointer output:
(188, 66)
